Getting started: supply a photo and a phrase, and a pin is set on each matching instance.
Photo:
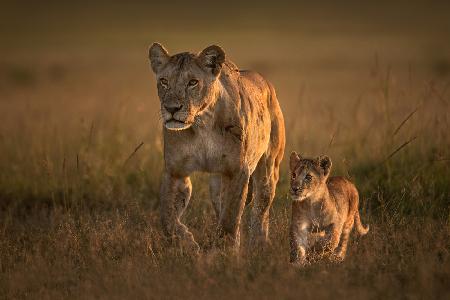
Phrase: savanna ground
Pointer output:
(367, 85)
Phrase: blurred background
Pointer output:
(76, 75)
(366, 83)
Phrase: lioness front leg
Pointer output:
(215, 181)
(175, 196)
(233, 195)
(264, 184)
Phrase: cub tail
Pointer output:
(359, 226)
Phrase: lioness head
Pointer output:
(186, 83)
(308, 176)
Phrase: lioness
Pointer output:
(220, 120)
(323, 209)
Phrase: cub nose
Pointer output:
(295, 189)
(173, 108)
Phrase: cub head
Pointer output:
(308, 176)
(186, 82)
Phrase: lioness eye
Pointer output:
(308, 177)
(293, 175)
(164, 82)
(193, 82)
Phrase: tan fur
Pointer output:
(220, 120)
(324, 209)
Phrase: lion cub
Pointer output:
(324, 208)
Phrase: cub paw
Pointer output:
(194, 248)
(190, 246)
(298, 261)
(337, 257)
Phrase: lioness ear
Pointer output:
(293, 160)
(325, 164)
(212, 59)
(158, 56)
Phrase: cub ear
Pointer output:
(325, 164)
(212, 59)
(293, 160)
(158, 56)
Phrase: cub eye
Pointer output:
(308, 177)
(164, 82)
(294, 175)
(192, 82)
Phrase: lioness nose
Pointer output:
(173, 108)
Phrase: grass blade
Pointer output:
(399, 148)
(133, 153)
(405, 120)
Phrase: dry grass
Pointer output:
(79, 191)
(121, 254)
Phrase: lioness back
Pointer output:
(254, 80)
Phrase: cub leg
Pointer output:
(316, 238)
(335, 237)
(348, 226)
(298, 240)
(233, 195)
(332, 237)
(298, 235)
(175, 195)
